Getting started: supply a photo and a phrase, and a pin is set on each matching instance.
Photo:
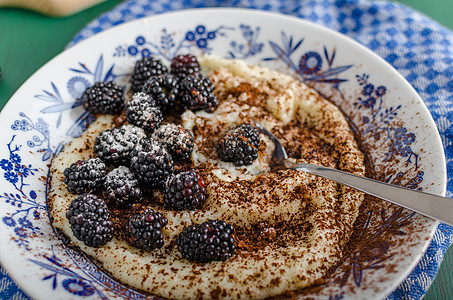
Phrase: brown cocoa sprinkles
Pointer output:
(245, 93)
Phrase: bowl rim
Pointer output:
(10, 106)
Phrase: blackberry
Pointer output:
(209, 241)
(85, 176)
(144, 69)
(143, 97)
(143, 230)
(176, 139)
(239, 145)
(185, 191)
(143, 114)
(164, 90)
(90, 220)
(197, 93)
(183, 65)
(103, 98)
(151, 163)
(114, 145)
(122, 188)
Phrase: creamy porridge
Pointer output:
(289, 227)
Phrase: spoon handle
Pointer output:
(437, 207)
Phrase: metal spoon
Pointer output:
(433, 206)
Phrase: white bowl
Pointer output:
(389, 117)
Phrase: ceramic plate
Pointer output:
(390, 119)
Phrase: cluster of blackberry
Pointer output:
(139, 157)
(183, 83)
(136, 163)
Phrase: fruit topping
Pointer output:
(90, 220)
(176, 139)
(143, 230)
(239, 145)
(197, 93)
(114, 145)
(210, 241)
(122, 188)
(163, 89)
(151, 163)
(85, 176)
(144, 69)
(183, 65)
(103, 98)
(141, 112)
(143, 97)
(185, 191)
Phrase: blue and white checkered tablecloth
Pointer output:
(418, 47)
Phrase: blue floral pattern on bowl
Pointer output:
(69, 270)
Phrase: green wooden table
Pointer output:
(28, 40)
